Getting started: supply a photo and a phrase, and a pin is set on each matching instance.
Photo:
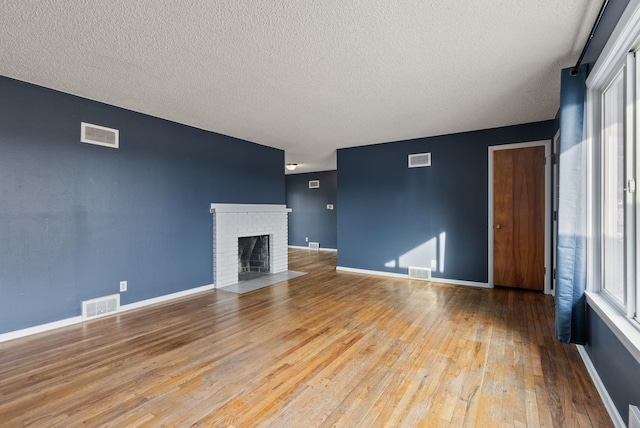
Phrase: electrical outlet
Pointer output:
(434, 264)
(123, 285)
(306, 239)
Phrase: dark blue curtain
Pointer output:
(571, 266)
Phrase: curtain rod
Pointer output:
(574, 71)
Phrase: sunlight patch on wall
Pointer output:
(423, 255)
(441, 242)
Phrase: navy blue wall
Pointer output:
(310, 216)
(618, 369)
(75, 219)
(387, 210)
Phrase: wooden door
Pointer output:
(518, 210)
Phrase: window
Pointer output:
(613, 194)
(612, 154)
(613, 168)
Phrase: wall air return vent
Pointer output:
(314, 245)
(314, 184)
(419, 160)
(100, 307)
(420, 273)
(99, 135)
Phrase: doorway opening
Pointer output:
(519, 228)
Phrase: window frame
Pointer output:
(605, 191)
(623, 321)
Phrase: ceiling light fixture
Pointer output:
(292, 166)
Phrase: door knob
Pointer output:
(498, 226)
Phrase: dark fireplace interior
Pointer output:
(253, 257)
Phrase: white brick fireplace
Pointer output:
(232, 221)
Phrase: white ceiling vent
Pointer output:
(100, 307)
(419, 160)
(99, 135)
(420, 273)
(314, 184)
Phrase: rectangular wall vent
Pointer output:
(420, 273)
(100, 307)
(314, 245)
(419, 160)
(634, 417)
(99, 135)
(314, 184)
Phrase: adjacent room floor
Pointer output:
(324, 349)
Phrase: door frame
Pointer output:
(547, 206)
(555, 165)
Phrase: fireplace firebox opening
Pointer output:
(253, 257)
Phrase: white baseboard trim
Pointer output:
(372, 272)
(319, 249)
(16, 334)
(160, 299)
(4, 337)
(461, 282)
(406, 276)
(604, 394)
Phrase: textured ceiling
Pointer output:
(309, 76)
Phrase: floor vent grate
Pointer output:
(420, 273)
(100, 307)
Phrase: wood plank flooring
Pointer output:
(325, 349)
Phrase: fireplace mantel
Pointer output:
(254, 208)
(232, 221)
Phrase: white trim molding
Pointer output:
(406, 276)
(166, 297)
(4, 337)
(602, 391)
(372, 272)
(256, 208)
(307, 248)
(16, 334)
(621, 41)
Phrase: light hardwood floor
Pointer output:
(325, 349)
